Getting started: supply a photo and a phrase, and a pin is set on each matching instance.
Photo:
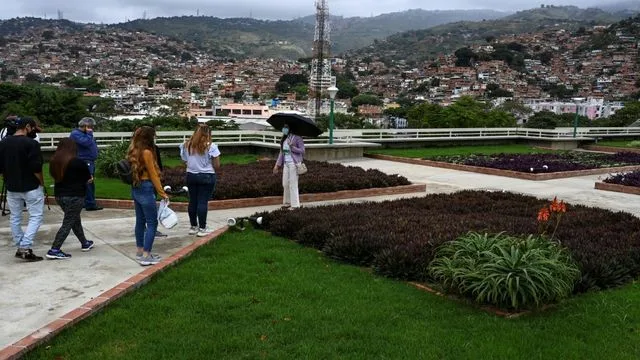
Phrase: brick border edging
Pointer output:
(626, 189)
(45, 333)
(506, 173)
(274, 200)
(490, 309)
(610, 149)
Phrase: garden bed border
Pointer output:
(45, 333)
(275, 200)
(626, 189)
(610, 149)
(506, 173)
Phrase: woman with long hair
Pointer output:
(291, 153)
(146, 184)
(203, 160)
(71, 176)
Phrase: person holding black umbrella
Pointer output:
(291, 153)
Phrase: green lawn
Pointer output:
(107, 188)
(250, 295)
(460, 150)
(616, 143)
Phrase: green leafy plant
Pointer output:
(109, 157)
(505, 271)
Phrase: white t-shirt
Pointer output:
(199, 164)
(286, 151)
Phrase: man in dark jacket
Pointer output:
(87, 152)
(21, 167)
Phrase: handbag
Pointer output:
(301, 168)
(166, 216)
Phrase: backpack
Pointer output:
(124, 171)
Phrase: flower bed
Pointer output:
(257, 180)
(399, 238)
(545, 163)
(626, 179)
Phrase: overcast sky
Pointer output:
(110, 11)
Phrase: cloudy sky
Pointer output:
(110, 11)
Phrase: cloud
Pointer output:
(121, 10)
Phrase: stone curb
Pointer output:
(610, 149)
(490, 309)
(45, 333)
(273, 200)
(506, 173)
(617, 188)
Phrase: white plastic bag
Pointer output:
(166, 216)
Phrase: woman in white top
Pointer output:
(203, 160)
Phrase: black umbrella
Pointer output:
(298, 124)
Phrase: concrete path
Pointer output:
(34, 294)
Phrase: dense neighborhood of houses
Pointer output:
(139, 70)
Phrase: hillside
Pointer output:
(426, 44)
(293, 39)
(18, 26)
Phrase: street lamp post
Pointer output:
(576, 101)
(332, 95)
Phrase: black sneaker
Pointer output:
(57, 254)
(95, 208)
(160, 235)
(28, 255)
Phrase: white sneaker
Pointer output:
(204, 232)
(193, 230)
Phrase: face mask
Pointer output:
(285, 131)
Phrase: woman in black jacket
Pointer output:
(71, 177)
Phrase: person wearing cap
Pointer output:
(21, 167)
(87, 152)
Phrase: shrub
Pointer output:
(544, 163)
(109, 157)
(257, 180)
(505, 271)
(605, 244)
(627, 179)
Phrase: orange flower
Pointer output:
(555, 205)
(543, 214)
(563, 207)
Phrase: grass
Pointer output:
(617, 143)
(250, 295)
(460, 150)
(107, 188)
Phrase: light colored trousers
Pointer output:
(290, 185)
(35, 206)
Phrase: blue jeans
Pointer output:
(35, 206)
(144, 199)
(90, 197)
(200, 191)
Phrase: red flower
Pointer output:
(543, 214)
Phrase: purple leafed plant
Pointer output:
(545, 163)
(627, 179)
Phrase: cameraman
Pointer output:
(21, 167)
(87, 152)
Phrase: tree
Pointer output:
(542, 120)
(623, 117)
(175, 84)
(195, 89)
(365, 99)
(238, 96)
(32, 78)
(465, 57)
(282, 86)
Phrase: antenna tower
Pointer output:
(321, 64)
(60, 15)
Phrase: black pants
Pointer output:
(201, 187)
(72, 207)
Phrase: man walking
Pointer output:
(21, 167)
(87, 152)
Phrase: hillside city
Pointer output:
(140, 70)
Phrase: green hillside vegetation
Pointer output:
(421, 45)
(238, 37)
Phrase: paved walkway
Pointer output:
(34, 294)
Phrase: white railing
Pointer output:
(167, 139)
